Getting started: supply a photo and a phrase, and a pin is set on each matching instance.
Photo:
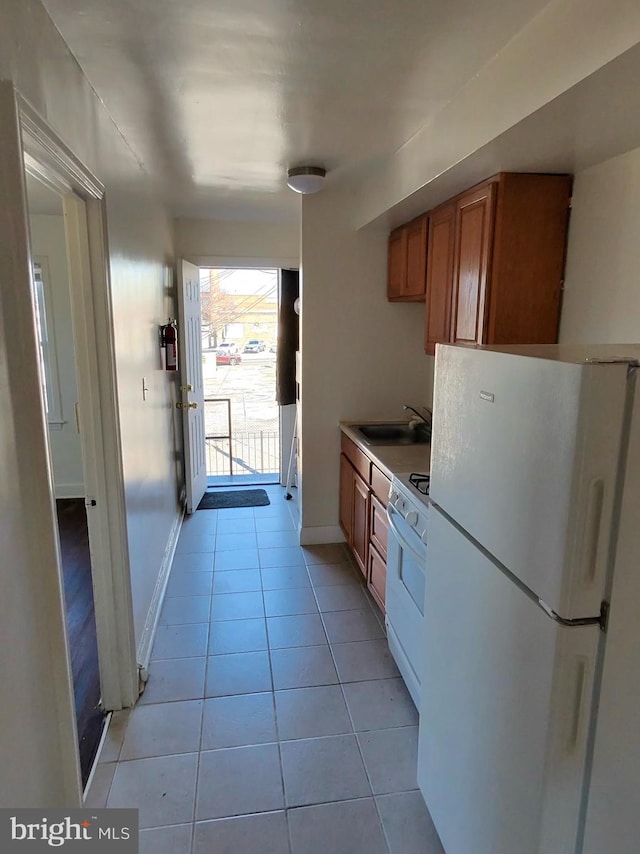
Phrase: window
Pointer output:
(46, 342)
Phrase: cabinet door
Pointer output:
(439, 277)
(360, 535)
(377, 580)
(474, 234)
(346, 497)
(527, 266)
(379, 527)
(397, 263)
(415, 282)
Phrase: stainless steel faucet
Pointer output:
(419, 414)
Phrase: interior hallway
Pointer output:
(274, 720)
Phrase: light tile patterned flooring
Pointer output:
(274, 720)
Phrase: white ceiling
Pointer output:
(218, 97)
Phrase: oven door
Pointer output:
(406, 562)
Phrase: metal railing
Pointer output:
(248, 451)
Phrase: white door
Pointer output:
(506, 708)
(191, 384)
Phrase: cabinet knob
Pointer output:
(411, 518)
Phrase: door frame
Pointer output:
(50, 161)
(286, 420)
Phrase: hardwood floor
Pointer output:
(81, 626)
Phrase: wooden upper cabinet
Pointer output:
(527, 267)
(416, 258)
(474, 230)
(495, 262)
(439, 275)
(407, 261)
(397, 263)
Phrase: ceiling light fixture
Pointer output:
(306, 179)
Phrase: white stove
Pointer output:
(408, 515)
(413, 487)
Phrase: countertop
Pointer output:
(391, 459)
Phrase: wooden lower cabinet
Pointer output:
(363, 516)
(377, 572)
(346, 497)
(378, 526)
(360, 536)
(354, 511)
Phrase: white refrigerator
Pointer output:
(530, 715)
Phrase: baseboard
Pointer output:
(319, 535)
(69, 490)
(153, 615)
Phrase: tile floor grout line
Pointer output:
(197, 785)
(279, 743)
(327, 644)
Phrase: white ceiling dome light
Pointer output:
(306, 179)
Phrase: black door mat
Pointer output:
(234, 498)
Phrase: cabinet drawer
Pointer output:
(380, 485)
(379, 526)
(360, 461)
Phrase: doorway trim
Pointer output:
(50, 161)
(286, 420)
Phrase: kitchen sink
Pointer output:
(393, 433)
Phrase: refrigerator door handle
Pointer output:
(578, 704)
(600, 621)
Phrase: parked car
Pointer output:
(255, 346)
(227, 353)
(273, 348)
(226, 358)
(227, 347)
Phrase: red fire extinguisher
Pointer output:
(170, 341)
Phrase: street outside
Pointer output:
(251, 387)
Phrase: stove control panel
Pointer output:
(411, 507)
(401, 504)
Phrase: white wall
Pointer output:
(362, 357)
(602, 294)
(226, 243)
(36, 711)
(48, 239)
(559, 47)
